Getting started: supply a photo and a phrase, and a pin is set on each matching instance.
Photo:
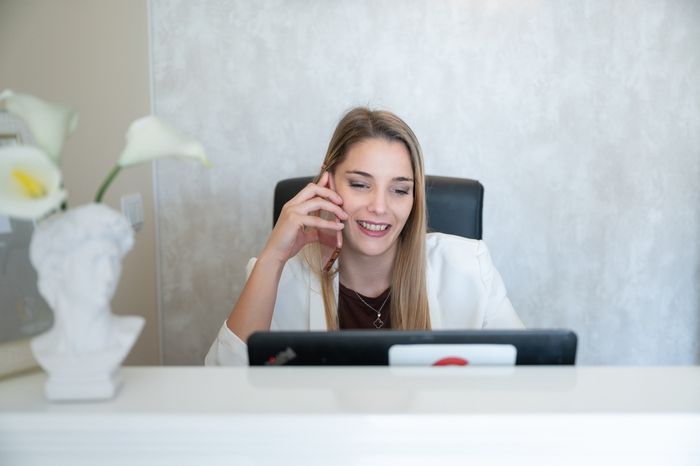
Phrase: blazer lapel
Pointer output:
(433, 282)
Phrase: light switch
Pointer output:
(132, 208)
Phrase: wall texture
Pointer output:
(581, 118)
(93, 56)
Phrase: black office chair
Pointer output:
(455, 205)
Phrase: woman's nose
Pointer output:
(377, 204)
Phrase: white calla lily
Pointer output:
(150, 138)
(49, 123)
(30, 183)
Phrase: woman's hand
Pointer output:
(298, 223)
(296, 227)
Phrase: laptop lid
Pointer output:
(373, 347)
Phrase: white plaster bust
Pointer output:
(78, 256)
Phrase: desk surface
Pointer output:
(444, 390)
(529, 415)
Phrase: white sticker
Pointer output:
(466, 354)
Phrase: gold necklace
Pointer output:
(378, 322)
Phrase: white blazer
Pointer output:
(465, 291)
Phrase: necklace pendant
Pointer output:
(378, 322)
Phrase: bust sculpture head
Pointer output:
(78, 256)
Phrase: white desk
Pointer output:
(356, 416)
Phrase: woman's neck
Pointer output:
(367, 275)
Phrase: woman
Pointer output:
(390, 273)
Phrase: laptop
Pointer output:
(412, 348)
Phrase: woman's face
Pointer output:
(376, 183)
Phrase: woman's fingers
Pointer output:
(312, 190)
(309, 206)
(312, 221)
(299, 220)
(317, 203)
(323, 181)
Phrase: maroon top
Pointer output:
(354, 314)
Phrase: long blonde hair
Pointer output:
(409, 295)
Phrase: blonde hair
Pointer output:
(409, 295)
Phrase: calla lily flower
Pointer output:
(49, 123)
(150, 138)
(30, 188)
(30, 183)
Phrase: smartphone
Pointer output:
(331, 241)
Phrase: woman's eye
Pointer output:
(354, 184)
(402, 191)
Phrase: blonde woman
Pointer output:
(390, 273)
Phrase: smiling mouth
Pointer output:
(373, 226)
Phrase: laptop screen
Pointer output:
(419, 348)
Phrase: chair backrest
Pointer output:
(455, 205)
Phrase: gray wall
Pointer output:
(581, 118)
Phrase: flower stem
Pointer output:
(106, 183)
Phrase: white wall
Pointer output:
(581, 118)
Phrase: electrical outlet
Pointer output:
(132, 208)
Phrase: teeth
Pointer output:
(373, 227)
